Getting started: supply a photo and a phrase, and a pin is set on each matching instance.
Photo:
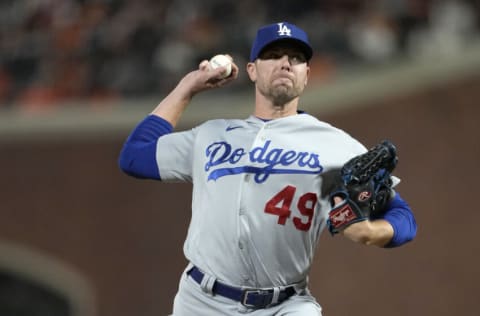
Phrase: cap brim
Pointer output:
(305, 48)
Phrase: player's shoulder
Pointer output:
(309, 119)
(217, 125)
(331, 132)
(220, 123)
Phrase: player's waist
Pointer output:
(255, 298)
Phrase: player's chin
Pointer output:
(283, 96)
(288, 88)
(283, 81)
(282, 86)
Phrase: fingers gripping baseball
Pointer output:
(206, 77)
(219, 71)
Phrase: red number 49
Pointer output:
(280, 205)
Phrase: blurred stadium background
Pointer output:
(78, 238)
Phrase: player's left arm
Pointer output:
(395, 227)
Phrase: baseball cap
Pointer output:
(281, 31)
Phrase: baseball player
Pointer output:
(257, 207)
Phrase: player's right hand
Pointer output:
(205, 78)
(215, 76)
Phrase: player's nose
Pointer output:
(285, 62)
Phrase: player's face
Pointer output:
(280, 72)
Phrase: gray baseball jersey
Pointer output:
(257, 212)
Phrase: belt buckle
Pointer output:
(253, 291)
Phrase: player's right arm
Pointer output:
(204, 78)
(138, 155)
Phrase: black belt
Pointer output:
(251, 298)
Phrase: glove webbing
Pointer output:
(361, 168)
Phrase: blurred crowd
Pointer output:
(56, 51)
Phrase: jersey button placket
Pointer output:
(263, 136)
(240, 243)
(248, 179)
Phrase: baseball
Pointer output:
(221, 61)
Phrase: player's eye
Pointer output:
(271, 55)
(294, 58)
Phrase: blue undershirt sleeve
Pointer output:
(400, 216)
(138, 155)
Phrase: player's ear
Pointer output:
(308, 73)
(252, 71)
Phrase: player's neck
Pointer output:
(266, 110)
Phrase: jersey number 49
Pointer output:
(281, 202)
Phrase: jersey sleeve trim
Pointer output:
(138, 155)
(400, 216)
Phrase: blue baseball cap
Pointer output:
(282, 31)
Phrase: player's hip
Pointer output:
(195, 297)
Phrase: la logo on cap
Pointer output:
(271, 33)
(284, 30)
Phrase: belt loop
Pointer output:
(276, 295)
(299, 287)
(207, 283)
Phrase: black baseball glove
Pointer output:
(364, 183)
